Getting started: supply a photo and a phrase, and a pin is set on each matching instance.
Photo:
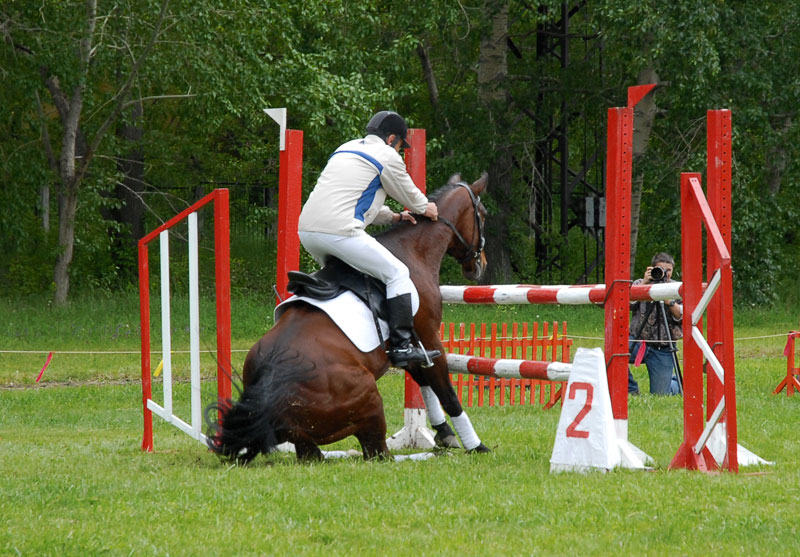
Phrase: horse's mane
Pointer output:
(435, 196)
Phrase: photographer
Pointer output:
(655, 326)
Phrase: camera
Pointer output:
(657, 274)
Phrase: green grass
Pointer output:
(74, 480)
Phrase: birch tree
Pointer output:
(67, 74)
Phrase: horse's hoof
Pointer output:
(446, 442)
(445, 436)
(480, 449)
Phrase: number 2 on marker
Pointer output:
(572, 429)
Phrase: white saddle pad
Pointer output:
(351, 315)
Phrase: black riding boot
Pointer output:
(401, 334)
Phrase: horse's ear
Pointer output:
(479, 186)
(454, 179)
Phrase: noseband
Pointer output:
(471, 252)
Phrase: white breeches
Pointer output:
(366, 254)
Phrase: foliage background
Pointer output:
(332, 63)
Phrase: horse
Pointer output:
(305, 382)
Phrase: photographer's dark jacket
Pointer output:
(646, 317)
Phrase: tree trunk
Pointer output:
(644, 115)
(779, 157)
(67, 207)
(433, 89)
(73, 143)
(129, 191)
(492, 73)
(68, 197)
(71, 146)
(44, 191)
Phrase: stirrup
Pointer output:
(428, 362)
(401, 357)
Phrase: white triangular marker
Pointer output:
(279, 115)
(586, 438)
(631, 455)
(414, 434)
(718, 445)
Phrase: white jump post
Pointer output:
(219, 199)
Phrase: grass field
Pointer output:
(75, 482)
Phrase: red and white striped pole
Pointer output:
(553, 294)
(507, 368)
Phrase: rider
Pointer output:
(348, 196)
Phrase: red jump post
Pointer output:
(697, 211)
(790, 382)
(617, 258)
(220, 199)
(290, 197)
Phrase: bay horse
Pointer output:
(305, 382)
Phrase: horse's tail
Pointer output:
(254, 424)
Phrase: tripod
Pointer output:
(663, 321)
(672, 348)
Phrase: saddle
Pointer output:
(336, 277)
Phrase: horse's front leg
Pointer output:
(445, 436)
(436, 388)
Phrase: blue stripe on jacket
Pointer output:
(368, 195)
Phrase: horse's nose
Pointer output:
(478, 267)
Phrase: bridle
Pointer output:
(472, 253)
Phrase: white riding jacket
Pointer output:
(352, 188)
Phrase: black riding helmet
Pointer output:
(386, 123)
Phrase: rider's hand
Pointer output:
(431, 211)
(406, 216)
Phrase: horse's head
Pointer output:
(461, 209)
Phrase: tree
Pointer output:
(493, 95)
(68, 82)
(644, 115)
(473, 75)
(718, 55)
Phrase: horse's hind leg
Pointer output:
(371, 432)
(307, 451)
(373, 443)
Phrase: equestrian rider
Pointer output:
(347, 197)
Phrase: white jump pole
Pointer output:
(194, 327)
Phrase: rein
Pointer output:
(471, 253)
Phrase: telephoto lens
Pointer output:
(657, 274)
